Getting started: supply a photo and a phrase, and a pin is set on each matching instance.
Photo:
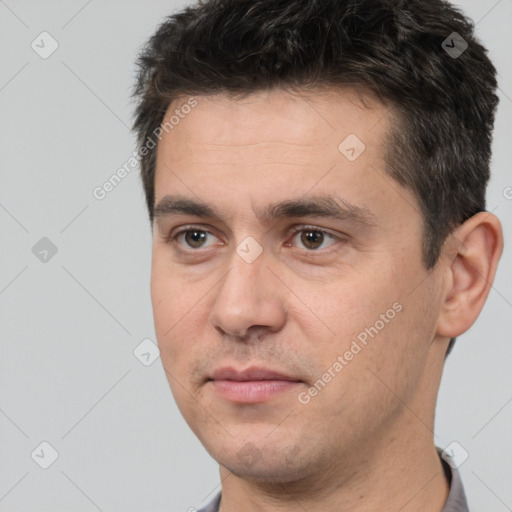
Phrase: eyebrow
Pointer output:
(326, 206)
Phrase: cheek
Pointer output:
(179, 330)
(175, 310)
(345, 307)
(367, 320)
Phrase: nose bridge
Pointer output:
(248, 296)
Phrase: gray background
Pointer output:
(70, 324)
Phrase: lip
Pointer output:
(251, 385)
(248, 374)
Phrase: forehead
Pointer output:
(303, 118)
(275, 145)
(276, 129)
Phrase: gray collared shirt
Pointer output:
(456, 501)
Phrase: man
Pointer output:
(315, 175)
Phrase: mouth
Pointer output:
(251, 385)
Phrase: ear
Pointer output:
(471, 255)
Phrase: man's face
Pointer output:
(293, 340)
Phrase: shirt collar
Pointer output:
(456, 501)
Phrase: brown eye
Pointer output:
(195, 238)
(312, 239)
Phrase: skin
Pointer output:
(365, 441)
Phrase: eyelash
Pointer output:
(173, 239)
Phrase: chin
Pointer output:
(267, 473)
(264, 463)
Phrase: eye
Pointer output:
(194, 238)
(311, 237)
(314, 238)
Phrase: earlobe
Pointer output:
(472, 256)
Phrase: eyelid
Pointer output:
(312, 227)
(188, 227)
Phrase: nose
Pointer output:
(250, 300)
